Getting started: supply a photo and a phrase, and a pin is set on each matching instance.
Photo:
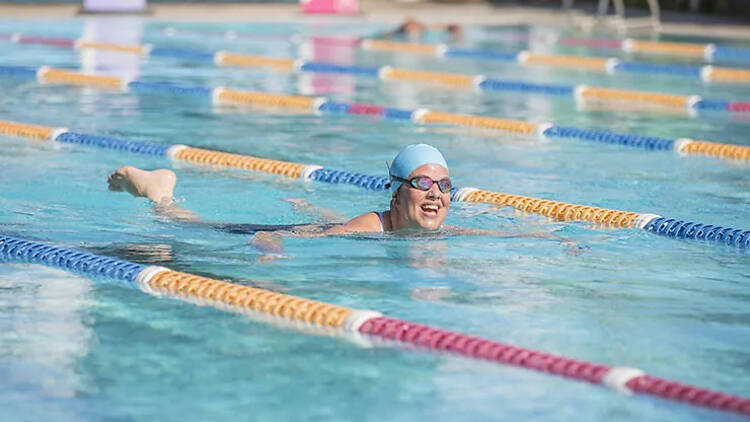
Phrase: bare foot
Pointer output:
(156, 185)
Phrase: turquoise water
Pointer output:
(79, 349)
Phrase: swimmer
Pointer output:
(413, 30)
(420, 187)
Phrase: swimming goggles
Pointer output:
(425, 183)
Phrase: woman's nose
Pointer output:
(434, 192)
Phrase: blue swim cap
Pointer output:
(411, 157)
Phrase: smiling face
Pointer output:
(414, 208)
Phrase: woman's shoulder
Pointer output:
(371, 220)
(366, 223)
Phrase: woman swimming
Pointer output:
(420, 189)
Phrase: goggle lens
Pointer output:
(425, 183)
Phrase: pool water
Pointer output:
(75, 349)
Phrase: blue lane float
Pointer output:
(731, 54)
(333, 107)
(607, 137)
(656, 68)
(502, 56)
(117, 144)
(492, 84)
(316, 67)
(397, 113)
(183, 54)
(680, 229)
(345, 177)
(21, 72)
(712, 105)
(14, 249)
(169, 88)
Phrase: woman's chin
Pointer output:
(431, 224)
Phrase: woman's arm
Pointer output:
(316, 213)
(172, 211)
(272, 242)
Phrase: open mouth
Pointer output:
(430, 209)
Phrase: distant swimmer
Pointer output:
(420, 187)
(413, 30)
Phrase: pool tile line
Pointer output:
(559, 211)
(321, 105)
(582, 94)
(164, 282)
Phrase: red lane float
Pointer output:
(627, 380)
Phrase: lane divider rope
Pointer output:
(701, 52)
(161, 281)
(685, 50)
(555, 210)
(320, 105)
(610, 66)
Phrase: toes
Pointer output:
(123, 171)
(114, 186)
(115, 181)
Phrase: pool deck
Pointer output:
(381, 11)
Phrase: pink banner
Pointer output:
(344, 7)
